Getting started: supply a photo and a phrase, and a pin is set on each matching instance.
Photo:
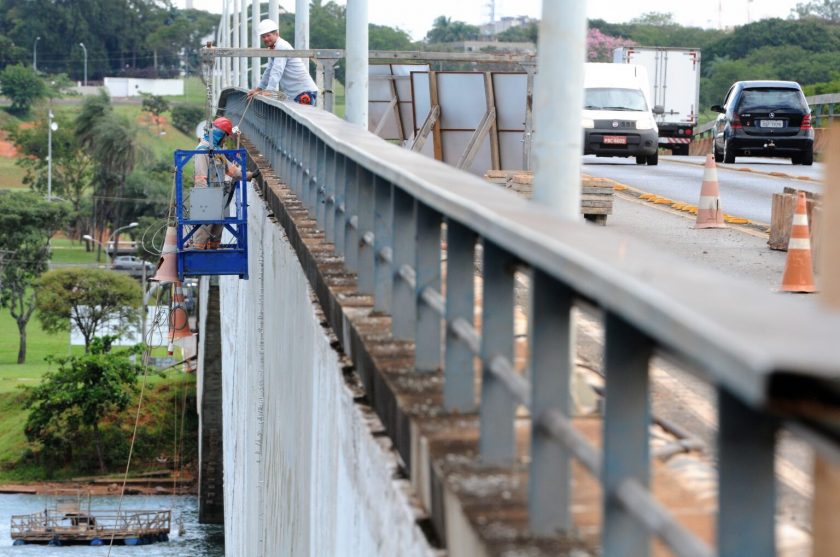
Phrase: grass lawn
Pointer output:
(69, 252)
(11, 175)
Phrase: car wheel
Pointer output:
(807, 158)
(641, 159)
(653, 159)
(728, 154)
(718, 154)
(796, 159)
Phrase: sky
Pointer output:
(416, 17)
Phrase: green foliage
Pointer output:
(826, 9)
(155, 105)
(72, 168)
(76, 397)
(382, 37)
(10, 53)
(810, 35)
(123, 37)
(186, 117)
(26, 224)
(520, 34)
(22, 86)
(444, 30)
(88, 298)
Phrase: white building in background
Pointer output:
(505, 23)
(133, 86)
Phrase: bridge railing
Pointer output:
(388, 210)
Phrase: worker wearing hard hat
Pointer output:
(215, 171)
(290, 75)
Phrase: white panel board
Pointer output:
(511, 91)
(454, 145)
(422, 100)
(511, 150)
(462, 100)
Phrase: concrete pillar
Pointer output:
(243, 43)
(234, 23)
(356, 86)
(255, 41)
(211, 507)
(225, 43)
(302, 24)
(558, 92)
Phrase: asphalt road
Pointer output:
(746, 187)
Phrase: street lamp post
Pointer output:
(84, 48)
(51, 127)
(35, 53)
(116, 232)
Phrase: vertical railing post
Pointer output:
(552, 357)
(402, 321)
(325, 176)
(351, 216)
(367, 256)
(459, 374)
(746, 480)
(626, 431)
(497, 442)
(329, 195)
(427, 351)
(340, 209)
(383, 246)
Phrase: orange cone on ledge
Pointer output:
(799, 270)
(167, 269)
(709, 211)
(179, 326)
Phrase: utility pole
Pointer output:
(35, 54)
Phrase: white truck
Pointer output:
(674, 75)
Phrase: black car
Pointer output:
(764, 119)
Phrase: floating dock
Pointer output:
(68, 524)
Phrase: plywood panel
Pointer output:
(510, 150)
(511, 90)
(455, 143)
(462, 100)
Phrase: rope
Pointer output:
(244, 112)
(146, 355)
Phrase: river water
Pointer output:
(198, 540)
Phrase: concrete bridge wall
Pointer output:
(305, 472)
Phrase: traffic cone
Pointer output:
(799, 270)
(709, 211)
(179, 326)
(167, 268)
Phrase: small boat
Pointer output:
(69, 522)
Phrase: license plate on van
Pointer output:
(615, 140)
(772, 123)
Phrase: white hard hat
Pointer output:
(266, 26)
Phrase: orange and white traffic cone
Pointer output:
(709, 211)
(167, 269)
(179, 327)
(799, 270)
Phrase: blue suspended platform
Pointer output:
(213, 205)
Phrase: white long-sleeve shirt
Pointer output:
(291, 75)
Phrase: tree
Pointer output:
(826, 9)
(87, 298)
(659, 19)
(528, 33)
(185, 117)
(22, 86)
(444, 30)
(26, 224)
(155, 105)
(72, 167)
(600, 47)
(74, 399)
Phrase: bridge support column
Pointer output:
(211, 469)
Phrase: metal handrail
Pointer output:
(765, 354)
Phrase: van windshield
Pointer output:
(607, 98)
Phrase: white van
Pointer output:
(617, 114)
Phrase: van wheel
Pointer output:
(641, 159)
(653, 159)
(728, 154)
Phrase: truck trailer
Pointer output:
(674, 75)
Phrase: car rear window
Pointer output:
(754, 99)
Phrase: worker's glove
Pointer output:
(235, 130)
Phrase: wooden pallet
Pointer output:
(781, 217)
(596, 199)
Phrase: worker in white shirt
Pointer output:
(290, 75)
